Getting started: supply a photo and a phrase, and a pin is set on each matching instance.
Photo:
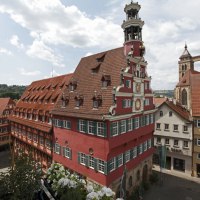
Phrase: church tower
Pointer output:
(132, 27)
(185, 63)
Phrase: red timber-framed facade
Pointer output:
(104, 121)
(31, 122)
(6, 107)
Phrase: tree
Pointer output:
(22, 180)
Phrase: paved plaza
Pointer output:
(174, 188)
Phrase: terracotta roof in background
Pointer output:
(178, 109)
(4, 102)
(158, 101)
(43, 90)
(88, 75)
(195, 94)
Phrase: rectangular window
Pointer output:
(130, 125)
(198, 123)
(100, 129)
(114, 128)
(166, 127)
(175, 127)
(146, 102)
(167, 141)
(123, 126)
(198, 156)
(176, 143)
(198, 142)
(67, 124)
(158, 140)
(185, 144)
(147, 119)
(48, 143)
(112, 164)
(90, 127)
(82, 158)
(120, 160)
(185, 128)
(157, 125)
(128, 83)
(41, 141)
(35, 138)
(137, 123)
(140, 149)
(127, 156)
(91, 162)
(57, 148)
(29, 136)
(101, 165)
(67, 152)
(149, 143)
(82, 125)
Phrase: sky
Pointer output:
(39, 38)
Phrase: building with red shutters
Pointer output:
(6, 108)
(31, 122)
(104, 121)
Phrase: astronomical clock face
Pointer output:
(138, 104)
(138, 87)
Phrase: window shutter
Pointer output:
(119, 127)
(95, 164)
(105, 168)
(69, 124)
(116, 162)
(105, 129)
(61, 123)
(53, 121)
(131, 154)
(70, 154)
(133, 123)
(111, 129)
(63, 151)
(78, 121)
(85, 126)
(124, 158)
(127, 125)
(95, 127)
(123, 103)
(86, 160)
(54, 148)
(79, 157)
(59, 149)
(138, 150)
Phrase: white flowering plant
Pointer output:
(68, 185)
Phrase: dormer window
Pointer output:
(97, 101)
(106, 80)
(65, 100)
(79, 100)
(72, 86)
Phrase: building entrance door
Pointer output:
(168, 163)
(179, 164)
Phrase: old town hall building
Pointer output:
(103, 120)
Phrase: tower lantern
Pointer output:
(132, 27)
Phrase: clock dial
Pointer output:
(137, 104)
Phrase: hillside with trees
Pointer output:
(13, 91)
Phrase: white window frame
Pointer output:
(67, 124)
(151, 119)
(130, 125)
(100, 129)
(101, 166)
(149, 143)
(137, 123)
(147, 119)
(82, 159)
(134, 152)
(67, 152)
(147, 102)
(145, 146)
(91, 162)
(57, 148)
(123, 126)
(198, 123)
(198, 142)
(112, 164)
(198, 156)
(115, 128)
(140, 149)
(91, 127)
(81, 125)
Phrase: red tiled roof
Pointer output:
(89, 83)
(178, 109)
(158, 100)
(4, 102)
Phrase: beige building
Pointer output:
(173, 129)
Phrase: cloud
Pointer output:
(5, 51)
(39, 50)
(16, 42)
(29, 73)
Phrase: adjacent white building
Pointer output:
(173, 129)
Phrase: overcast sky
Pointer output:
(41, 36)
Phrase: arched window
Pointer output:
(184, 97)
(161, 113)
(183, 67)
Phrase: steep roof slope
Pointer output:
(3, 103)
(88, 76)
